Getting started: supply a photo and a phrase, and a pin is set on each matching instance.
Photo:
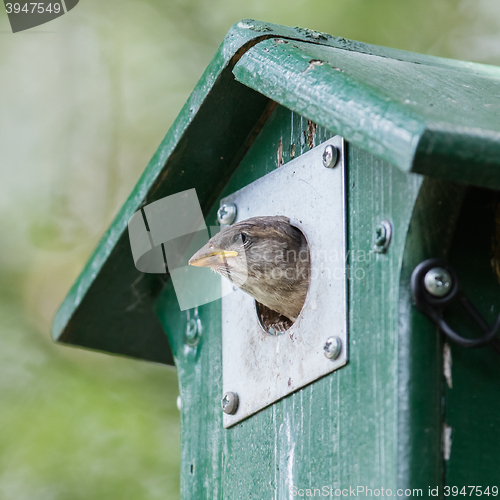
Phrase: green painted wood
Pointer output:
(473, 401)
(420, 351)
(423, 117)
(376, 422)
(109, 308)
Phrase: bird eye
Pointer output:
(244, 238)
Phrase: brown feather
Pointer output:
(274, 257)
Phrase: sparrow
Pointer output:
(267, 258)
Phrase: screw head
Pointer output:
(438, 281)
(332, 347)
(227, 214)
(229, 403)
(330, 156)
(382, 237)
(193, 331)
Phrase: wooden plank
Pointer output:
(420, 358)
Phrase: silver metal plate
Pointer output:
(263, 368)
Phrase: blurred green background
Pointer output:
(85, 101)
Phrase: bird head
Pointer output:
(266, 257)
(225, 254)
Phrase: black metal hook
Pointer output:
(432, 305)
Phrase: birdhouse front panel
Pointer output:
(341, 427)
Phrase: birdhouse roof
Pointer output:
(423, 114)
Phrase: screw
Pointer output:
(332, 347)
(330, 156)
(438, 281)
(383, 235)
(192, 332)
(380, 235)
(193, 328)
(227, 214)
(230, 403)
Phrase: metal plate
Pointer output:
(263, 368)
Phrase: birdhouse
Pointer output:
(388, 163)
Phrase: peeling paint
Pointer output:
(314, 35)
(311, 132)
(279, 155)
(447, 430)
(447, 362)
(313, 63)
(286, 458)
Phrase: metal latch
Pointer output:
(435, 286)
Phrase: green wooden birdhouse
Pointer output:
(388, 162)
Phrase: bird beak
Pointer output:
(209, 256)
